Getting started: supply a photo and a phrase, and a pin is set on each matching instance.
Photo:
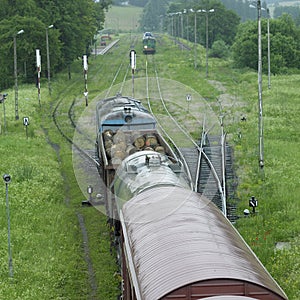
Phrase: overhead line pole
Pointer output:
(260, 102)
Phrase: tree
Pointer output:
(223, 23)
(22, 8)
(33, 38)
(285, 45)
(219, 49)
(152, 15)
(244, 49)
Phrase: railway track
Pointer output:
(73, 128)
(205, 157)
(77, 124)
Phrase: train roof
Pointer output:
(121, 110)
(175, 237)
(118, 102)
(147, 169)
(146, 38)
(147, 34)
(230, 297)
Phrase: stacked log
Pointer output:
(151, 141)
(139, 141)
(119, 145)
(160, 149)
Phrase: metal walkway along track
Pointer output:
(191, 157)
(207, 183)
(231, 184)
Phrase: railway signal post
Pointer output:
(132, 56)
(85, 70)
(90, 192)
(253, 203)
(188, 100)
(2, 100)
(38, 67)
(26, 123)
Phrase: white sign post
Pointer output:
(26, 123)
(188, 100)
(38, 67)
(85, 70)
(132, 56)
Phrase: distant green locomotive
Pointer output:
(149, 43)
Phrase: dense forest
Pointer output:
(139, 3)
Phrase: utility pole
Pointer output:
(48, 58)
(260, 102)
(269, 54)
(16, 74)
(206, 16)
(7, 180)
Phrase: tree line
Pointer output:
(75, 22)
(228, 34)
(284, 45)
(139, 3)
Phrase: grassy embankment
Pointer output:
(49, 257)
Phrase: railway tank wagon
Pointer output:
(178, 245)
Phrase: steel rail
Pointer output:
(181, 157)
(221, 188)
(73, 124)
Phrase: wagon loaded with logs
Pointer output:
(120, 144)
(125, 127)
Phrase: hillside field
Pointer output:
(123, 18)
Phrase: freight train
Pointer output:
(172, 242)
(149, 43)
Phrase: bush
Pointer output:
(219, 49)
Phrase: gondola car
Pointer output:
(172, 242)
(149, 43)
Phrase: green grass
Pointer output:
(45, 197)
(49, 261)
(43, 230)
